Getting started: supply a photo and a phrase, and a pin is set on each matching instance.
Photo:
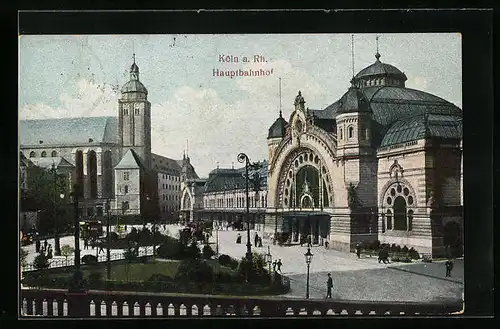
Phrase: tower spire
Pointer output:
(133, 57)
(280, 98)
(377, 54)
(352, 54)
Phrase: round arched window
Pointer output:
(400, 214)
(286, 191)
(389, 200)
(32, 154)
(310, 157)
(316, 159)
(296, 163)
(290, 174)
(301, 159)
(406, 191)
(53, 154)
(44, 154)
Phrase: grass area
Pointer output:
(137, 271)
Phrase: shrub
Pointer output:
(282, 238)
(41, 262)
(95, 278)
(89, 259)
(194, 270)
(413, 254)
(113, 236)
(133, 235)
(405, 249)
(193, 251)
(375, 245)
(157, 277)
(22, 257)
(144, 236)
(170, 250)
(225, 260)
(208, 252)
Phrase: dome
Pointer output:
(379, 69)
(134, 86)
(277, 130)
(353, 101)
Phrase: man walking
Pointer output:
(449, 267)
(279, 263)
(329, 286)
(358, 250)
(256, 240)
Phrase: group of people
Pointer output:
(277, 264)
(46, 249)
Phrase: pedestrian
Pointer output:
(326, 244)
(449, 267)
(45, 243)
(256, 239)
(125, 228)
(329, 286)
(100, 249)
(37, 245)
(301, 239)
(49, 252)
(260, 241)
(309, 241)
(279, 264)
(358, 250)
(86, 243)
(238, 238)
(164, 227)
(275, 263)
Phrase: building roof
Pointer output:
(390, 104)
(423, 126)
(278, 128)
(224, 179)
(380, 69)
(47, 162)
(130, 161)
(173, 167)
(353, 101)
(69, 131)
(134, 86)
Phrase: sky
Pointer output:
(216, 117)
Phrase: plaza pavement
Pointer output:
(353, 278)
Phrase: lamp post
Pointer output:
(308, 256)
(269, 259)
(243, 158)
(77, 280)
(108, 239)
(57, 244)
(217, 238)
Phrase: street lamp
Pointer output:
(243, 158)
(77, 283)
(57, 244)
(309, 257)
(269, 259)
(217, 238)
(108, 238)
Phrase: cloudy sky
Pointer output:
(80, 75)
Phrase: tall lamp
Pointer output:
(269, 259)
(309, 257)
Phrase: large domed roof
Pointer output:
(278, 128)
(134, 86)
(380, 69)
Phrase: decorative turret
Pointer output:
(299, 102)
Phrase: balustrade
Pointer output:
(58, 303)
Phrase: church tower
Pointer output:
(134, 115)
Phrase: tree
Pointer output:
(67, 251)
(44, 191)
(208, 252)
(41, 262)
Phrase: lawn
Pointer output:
(138, 271)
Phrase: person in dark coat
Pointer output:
(449, 267)
(37, 245)
(329, 286)
(279, 264)
(275, 263)
(49, 252)
(86, 243)
(309, 241)
(45, 243)
(260, 241)
(358, 250)
(238, 238)
(256, 240)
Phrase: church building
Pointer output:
(111, 157)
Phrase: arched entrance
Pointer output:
(452, 239)
(400, 214)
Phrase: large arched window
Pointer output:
(79, 171)
(32, 154)
(92, 173)
(388, 217)
(44, 154)
(53, 154)
(400, 214)
(351, 132)
(107, 174)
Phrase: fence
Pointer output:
(97, 303)
(117, 255)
